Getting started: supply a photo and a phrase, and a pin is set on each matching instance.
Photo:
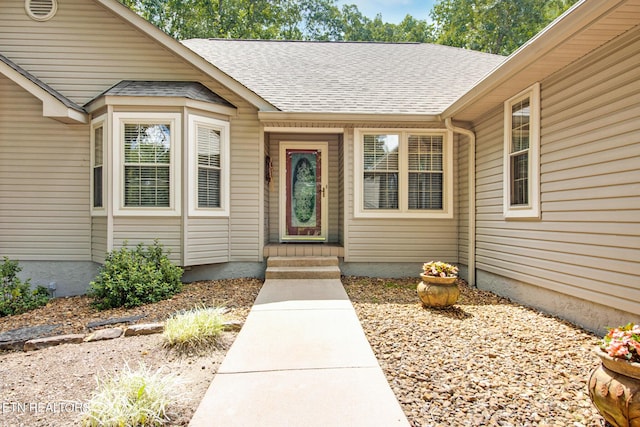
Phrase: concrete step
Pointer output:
(302, 261)
(314, 272)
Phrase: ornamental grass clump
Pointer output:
(439, 269)
(133, 398)
(623, 342)
(194, 331)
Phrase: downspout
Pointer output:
(471, 263)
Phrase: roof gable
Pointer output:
(186, 54)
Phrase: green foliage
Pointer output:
(133, 277)
(494, 26)
(132, 398)
(274, 19)
(194, 331)
(17, 296)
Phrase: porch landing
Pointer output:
(303, 249)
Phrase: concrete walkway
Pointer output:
(301, 359)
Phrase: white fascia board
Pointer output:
(570, 23)
(187, 54)
(160, 101)
(268, 116)
(51, 106)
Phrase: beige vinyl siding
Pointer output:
(236, 238)
(84, 49)
(44, 182)
(134, 230)
(462, 148)
(334, 183)
(588, 242)
(98, 238)
(246, 184)
(396, 239)
(208, 241)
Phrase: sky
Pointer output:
(392, 11)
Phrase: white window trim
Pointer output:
(403, 192)
(532, 210)
(119, 120)
(96, 123)
(225, 151)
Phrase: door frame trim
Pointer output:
(323, 147)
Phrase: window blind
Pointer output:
(381, 170)
(147, 165)
(209, 167)
(98, 135)
(426, 171)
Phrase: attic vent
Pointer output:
(41, 10)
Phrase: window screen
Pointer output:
(147, 165)
(381, 171)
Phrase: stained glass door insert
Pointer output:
(304, 193)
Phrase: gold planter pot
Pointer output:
(614, 389)
(438, 291)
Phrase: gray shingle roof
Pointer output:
(190, 90)
(349, 77)
(51, 91)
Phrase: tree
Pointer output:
(494, 26)
(274, 19)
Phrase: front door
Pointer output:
(303, 194)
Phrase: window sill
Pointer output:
(405, 215)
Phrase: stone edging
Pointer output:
(107, 334)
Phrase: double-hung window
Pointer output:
(403, 173)
(209, 171)
(98, 166)
(522, 155)
(146, 153)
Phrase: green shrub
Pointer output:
(196, 330)
(17, 296)
(132, 398)
(133, 277)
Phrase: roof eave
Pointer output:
(158, 101)
(564, 27)
(342, 117)
(52, 107)
(187, 54)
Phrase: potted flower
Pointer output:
(614, 385)
(439, 287)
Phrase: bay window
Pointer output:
(97, 165)
(146, 155)
(209, 171)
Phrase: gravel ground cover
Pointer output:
(483, 362)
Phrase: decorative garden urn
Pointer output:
(438, 291)
(614, 389)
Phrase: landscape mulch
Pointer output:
(486, 361)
